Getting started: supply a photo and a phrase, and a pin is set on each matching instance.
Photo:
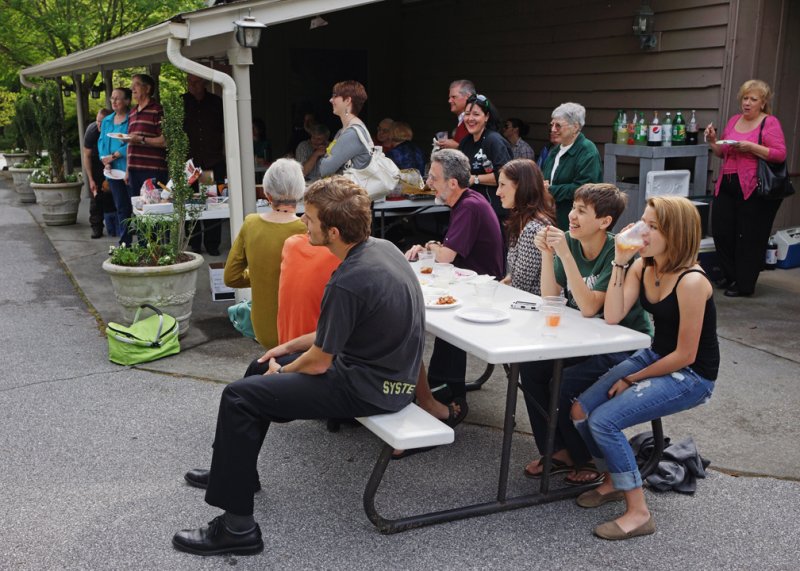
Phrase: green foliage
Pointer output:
(43, 176)
(49, 115)
(25, 123)
(154, 247)
(7, 110)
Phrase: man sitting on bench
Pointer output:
(362, 360)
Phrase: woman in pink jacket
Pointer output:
(742, 220)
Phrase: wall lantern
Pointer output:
(97, 90)
(67, 89)
(643, 25)
(248, 31)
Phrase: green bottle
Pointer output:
(617, 121)
(679, 130)
(640, 136)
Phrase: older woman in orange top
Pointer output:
(255, 257)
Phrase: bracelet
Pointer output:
(429, 242)
(627, 381)
(614, 264)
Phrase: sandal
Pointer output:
(454, 418)
(570, 480)
(556, 467)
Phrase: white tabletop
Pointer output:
(519, 339)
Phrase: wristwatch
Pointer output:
(475, 179)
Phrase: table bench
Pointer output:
(408, 428)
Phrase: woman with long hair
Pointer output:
(531, 208)
(676, 373)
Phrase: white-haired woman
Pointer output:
(255, 257)
(573, 161)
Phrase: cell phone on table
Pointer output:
(529, 305)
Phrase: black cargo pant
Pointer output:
(247, 408)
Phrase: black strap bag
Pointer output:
(772, 179)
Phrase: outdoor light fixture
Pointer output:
(67, 89)
(248, 31)
(97, 90)
(318, 22)
(643, 24)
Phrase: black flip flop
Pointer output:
(588, 467)
(556, 467)
(454, 419)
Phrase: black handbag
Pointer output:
(772, 179)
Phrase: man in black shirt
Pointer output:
(362, 360)
(100, 202)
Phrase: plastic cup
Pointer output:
(633, 237)
(426, 260)
(552, 309)
(484, 292)
(443, 274)
(441, 136)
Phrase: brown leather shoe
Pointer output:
(610, 530)
(594, 499)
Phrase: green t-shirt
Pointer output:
(596, 274)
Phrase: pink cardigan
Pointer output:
(746, 164)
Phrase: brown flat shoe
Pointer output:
(610, 530)
(594, 499)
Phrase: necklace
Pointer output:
(658, 278)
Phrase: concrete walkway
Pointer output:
(93, 453)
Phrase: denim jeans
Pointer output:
(122, 200)
(646, 400)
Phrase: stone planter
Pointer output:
(22, 184)
(11, 160)
(169, 288)
(59, 202)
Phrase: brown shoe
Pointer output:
(610, 530)
(594, 499)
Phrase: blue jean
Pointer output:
(122, 200)
(646, 400)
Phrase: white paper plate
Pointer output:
(430, 303)
(120, 136)
(114, 174)
(483, 314)
(463, 275)
(727, 142)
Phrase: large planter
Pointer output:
(22, 183)
(11, 160)
(169, 288)
(59, 202)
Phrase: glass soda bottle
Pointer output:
(679, 130)
(640, 138)
(666, 139)
(654, 133)
(691, 131)
(632, 128)
(622, 130)
(615, 127)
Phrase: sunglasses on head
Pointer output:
(481, 100)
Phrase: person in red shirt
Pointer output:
(460, 91)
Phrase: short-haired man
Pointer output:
(100, 202)
(460, 91)
(310, 151)
(474, 242)
(353, 365)
(579, 264)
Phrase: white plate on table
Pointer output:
(483, 314)
(430, 303)
(727, 142)
(119, 136)
(114, 174)
(462, 275)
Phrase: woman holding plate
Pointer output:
(742, 220)
(113, 149)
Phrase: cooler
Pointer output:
(788, 242)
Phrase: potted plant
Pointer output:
(158, 270)
(20, 162)
(57, 192)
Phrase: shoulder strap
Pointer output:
(689, 271)
(761, 129)
(361, 137)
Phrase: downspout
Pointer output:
(231, 120)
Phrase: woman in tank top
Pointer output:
(675, 374)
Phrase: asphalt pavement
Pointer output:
(93, 453)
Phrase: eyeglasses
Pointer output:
(558, 126)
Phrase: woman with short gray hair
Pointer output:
(255, 257)
(573, 161)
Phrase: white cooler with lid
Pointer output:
(788, 242)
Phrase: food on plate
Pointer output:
(426, 270)
(446, 300)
